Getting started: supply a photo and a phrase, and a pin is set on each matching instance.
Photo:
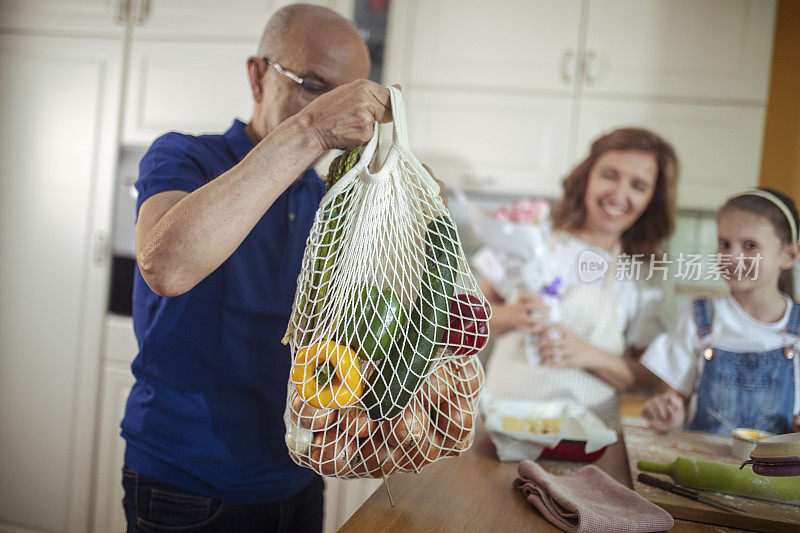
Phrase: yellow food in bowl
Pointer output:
(750, 434)
(530, 425)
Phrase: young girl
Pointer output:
(734, 360)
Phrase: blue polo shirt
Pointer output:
(206, 411)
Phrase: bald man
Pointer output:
(221, 228)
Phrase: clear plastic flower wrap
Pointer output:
(516, 256)
(386, 323)
(517, 245)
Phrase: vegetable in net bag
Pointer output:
(386, 323)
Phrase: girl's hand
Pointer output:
(665, 412)
(559, 346)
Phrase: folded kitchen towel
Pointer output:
(587, 499)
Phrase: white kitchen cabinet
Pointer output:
(343, 497)
(188, 69)
(718, 145)
(119, 350)
(117, 381)
(75, 17)
(210, 20)
(495, 105)
(58, 143)
(192, 87)
(484, 142)
(679, 48)
(515, 44)
(232, 20)
(666, 48)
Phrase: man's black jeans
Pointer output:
(151, 505)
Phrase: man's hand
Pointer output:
(665, 412)
(345, 117)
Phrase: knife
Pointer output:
(686, 492)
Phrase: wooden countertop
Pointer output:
(474, 493)
(643, 443)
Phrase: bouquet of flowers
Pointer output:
(516, 254)
(516, 248)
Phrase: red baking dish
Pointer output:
(572, 450)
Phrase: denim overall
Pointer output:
(749, 390)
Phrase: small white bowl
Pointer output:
(744, 441)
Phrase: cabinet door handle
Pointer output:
(142, 11)
(590, 66)
(100, 248)
(568, 66)
(120, 11)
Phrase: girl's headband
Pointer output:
(780, 204)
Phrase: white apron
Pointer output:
(590, 311)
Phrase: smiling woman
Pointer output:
(631, 158)
(618, 203)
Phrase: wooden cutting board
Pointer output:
(645, 444)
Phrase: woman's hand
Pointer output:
(559, 346)
(665, 412)
(528, 314)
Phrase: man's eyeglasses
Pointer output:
(308, 89)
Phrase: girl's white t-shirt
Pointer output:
(676, 356)
(638, 302)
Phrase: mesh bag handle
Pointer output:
(399, 147)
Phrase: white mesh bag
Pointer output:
(386, 324)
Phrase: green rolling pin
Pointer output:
(728, 479)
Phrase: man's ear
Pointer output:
(255, 75)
